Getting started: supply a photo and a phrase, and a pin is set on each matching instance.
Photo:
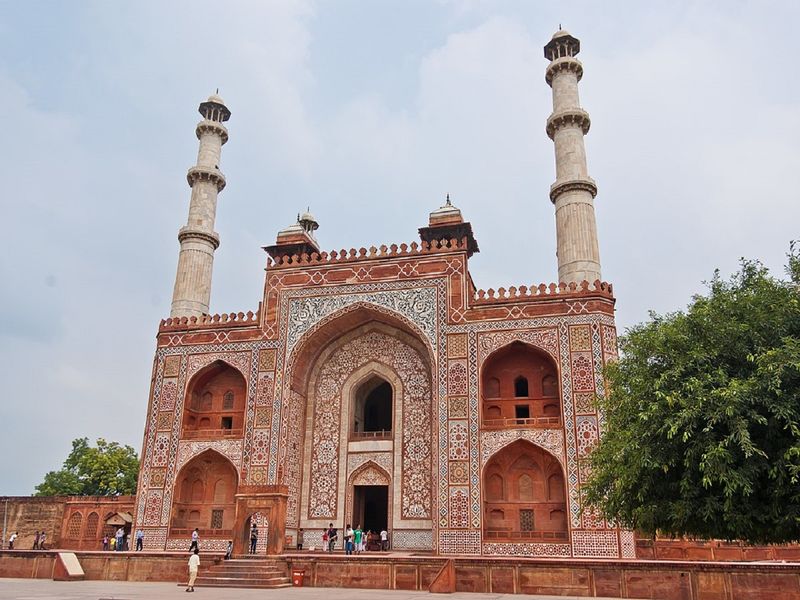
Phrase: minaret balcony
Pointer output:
(215, 127)
(562, 187)
(573, 117)
(559, 65)
(198, 173)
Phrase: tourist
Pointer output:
(357, 539)
(366, 540)
(105, 542)
(11, 540)
(42, 540)
(120, 538)
(300, 539)
(384, 535)
(332, 536)
(229, 551)
(325, 540)
(195, 545)
(113, 543)
(253, 538)
(194, 564)
(139, 540)
(36, 541)
(348, 539)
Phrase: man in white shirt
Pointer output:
(194, 565)
(11, 540)
(384, 540)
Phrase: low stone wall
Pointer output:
(713, 550)
(666, 580)
(104, 566)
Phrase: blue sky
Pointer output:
(369, 113)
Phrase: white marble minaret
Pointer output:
(198, 239)
(573, 191)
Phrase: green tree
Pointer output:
(703, 415)
(105, 470)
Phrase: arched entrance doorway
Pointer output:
(262, 533)
(205, 497)
(524, 495)
(369, 499)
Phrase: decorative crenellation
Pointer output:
(381, 252)
(562, 290)
(203, 321)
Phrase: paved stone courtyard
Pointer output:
(44, 589)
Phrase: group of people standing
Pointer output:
(119, 541)
(355, 540)
(39, 539)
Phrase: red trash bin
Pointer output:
(297, 577)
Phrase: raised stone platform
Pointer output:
(663, 579)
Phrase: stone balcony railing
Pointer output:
(202, 434)
(508, 534)
(381, 434)
(546, 422)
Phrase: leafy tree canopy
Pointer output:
(703, 415)
(105, 470)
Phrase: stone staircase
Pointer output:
(246, 572)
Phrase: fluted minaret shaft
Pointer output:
(573, 191)
(198, 239)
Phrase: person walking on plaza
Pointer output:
(36, 540)
(11, 540)
(139, 540)
(229, 551)
(194, 565)
(357, 539)
(300, 539)
(195, 545)
(253, 538)
(120, 537)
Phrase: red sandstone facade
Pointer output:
(484, 401)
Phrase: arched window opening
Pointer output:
(549, 386)
(215, 403)
(555, 487)
(532, 498)
(520, 382)
(207, 495)
(74, 526)
(494, 487)
(525, 485)
(373, 408)
(92, 521)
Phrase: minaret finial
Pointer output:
(448, 199)
(559, 26)
(217, 92)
